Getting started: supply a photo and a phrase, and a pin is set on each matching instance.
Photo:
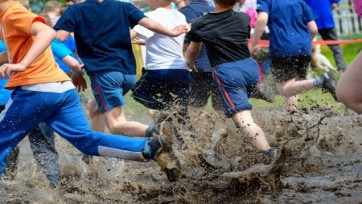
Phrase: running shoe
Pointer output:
(329, 84)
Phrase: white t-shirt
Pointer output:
(163, 52)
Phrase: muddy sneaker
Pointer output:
(12, 164)
(328, 84)
(273, 154)
(159, 148)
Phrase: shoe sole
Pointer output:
(167, 159)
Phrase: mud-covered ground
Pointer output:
(323, 165)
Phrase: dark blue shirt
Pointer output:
(289, 34)
(324, 12)
(102, 33)
(192, 11)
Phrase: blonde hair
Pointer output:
(51, 6)
(25, 3)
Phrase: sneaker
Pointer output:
(12, 164)
(328, 84)
(161, 151)
(273, 154)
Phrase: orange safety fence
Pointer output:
(265, 43)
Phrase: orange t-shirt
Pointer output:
(16, 22)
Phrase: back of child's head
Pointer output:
(226, 3)
(25, 3)
(51, 6)
(46, 18)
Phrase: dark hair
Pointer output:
(225, 2)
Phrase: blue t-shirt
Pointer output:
(60, 51)
(102, 33)
(70, 43)
(289, 34)
(324, 12)
(192, 11)
(4, 93)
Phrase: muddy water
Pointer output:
(324, 165)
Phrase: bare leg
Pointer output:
(118, 124)
(290, 89)
(115, 120)
(246, 124)
(97, 121)
(291, 103)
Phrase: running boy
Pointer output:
(43, 92)
(165, 81)
(292, 28)
(225, 34)
(102, 33)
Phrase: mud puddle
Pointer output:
(323, 165)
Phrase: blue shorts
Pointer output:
(162, 89)
(109, 87)
(234, 81)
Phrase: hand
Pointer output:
(178, 30)
(253, 49)
(192, 66)
(138, 41)
(334, 5)
(7, 69)
(79, 81)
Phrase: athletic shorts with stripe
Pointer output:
(234, 81)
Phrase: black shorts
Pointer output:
(287, 68)
(202, 88)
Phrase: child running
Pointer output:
(165, 81)
(102, 33)
(225, 34)
(292, 28)
(43, 92)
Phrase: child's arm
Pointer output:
(158, 28)
(313, 29)
(77, 76)
(261, 22)
(62, 35)
(192, 53)
(135, 39)
(44, 35)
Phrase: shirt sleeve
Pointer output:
(21, 21)
(67, 21)
(263, 5)
(193, 36)
(189, 13)
(308, 14)
(59, 50)
(134, 15)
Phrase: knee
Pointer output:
(117, 126)
(282, 90)
(93, 108)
